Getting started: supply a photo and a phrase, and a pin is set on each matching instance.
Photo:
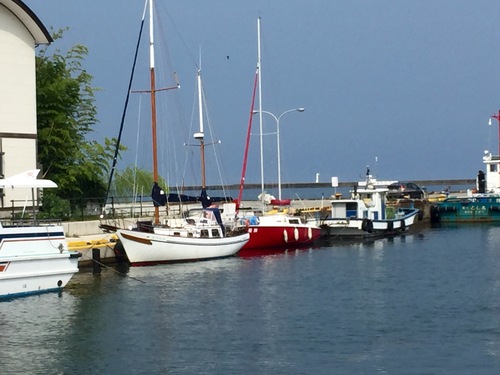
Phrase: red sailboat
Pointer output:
(272, 230)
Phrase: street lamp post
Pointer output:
(498, 118)
(277, 119)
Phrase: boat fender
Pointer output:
(363, 225)
(390, 225)
(435, 217)
(296, 234)
(285, 235)
(309, 233)
(367, 225)
(420, 215)
(403, 225)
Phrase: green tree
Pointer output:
(66, 114)
(133, 181)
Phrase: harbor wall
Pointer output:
(75, 229)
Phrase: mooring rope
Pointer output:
(113, 269)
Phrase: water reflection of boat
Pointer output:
(276, 251)
(178, 272)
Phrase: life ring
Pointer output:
(285, 235)
(367, 225)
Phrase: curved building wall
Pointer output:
(18, 129)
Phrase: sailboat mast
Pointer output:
(200, 135)
(153, 102)
(259, 68)
(247, 141)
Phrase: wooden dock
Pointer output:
(87, 244)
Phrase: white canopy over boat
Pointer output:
(27, 180)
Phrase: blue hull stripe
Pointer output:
(40, 235)
(8, 297)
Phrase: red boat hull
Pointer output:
(281, 236)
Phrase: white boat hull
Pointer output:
(144, 248)
(34, 260)
(357, 227)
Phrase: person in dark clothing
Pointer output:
(481, 182)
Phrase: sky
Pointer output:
(406, 87)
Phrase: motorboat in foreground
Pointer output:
(34, 256)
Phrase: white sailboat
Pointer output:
(34, 256)
(191, 239)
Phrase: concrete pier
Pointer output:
(86, 236)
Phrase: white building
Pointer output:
(20, 33)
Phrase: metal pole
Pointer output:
(277, 119)
(498, 118)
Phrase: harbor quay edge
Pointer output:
(77, 229)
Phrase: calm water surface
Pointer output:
(425, 303)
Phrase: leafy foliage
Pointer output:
(133, 181)
(65, 115)
(54, 206)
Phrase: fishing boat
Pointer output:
(365, 213)
(271, 229)
(179, 240)
(481, 204)
(34, 256)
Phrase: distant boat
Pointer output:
(181, 240)
(365, 214)
(472, 209)
(481, 204)
(34, 256)
(271, 230)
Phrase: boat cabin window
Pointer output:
(342, 209)
(351, 206)
(294, 221)
(204, 233)
(493, 167)
(215, 233)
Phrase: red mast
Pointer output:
(247, 143)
